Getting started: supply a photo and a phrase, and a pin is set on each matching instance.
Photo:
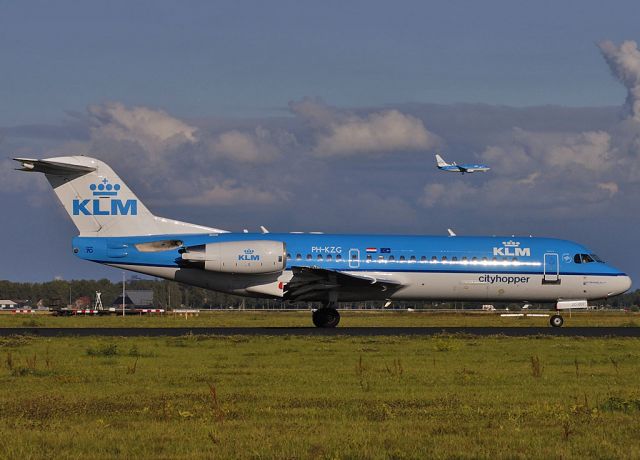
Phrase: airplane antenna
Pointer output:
(451, 232)
(244, 230)
(264, 229)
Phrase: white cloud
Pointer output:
(610, 187)
(589, 150)
(337, 133)
(153, 129)
(261, 145)
(529, 150)
(624, 62)
(379, 132)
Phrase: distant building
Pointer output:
(82, 302)
(132, 299)
(8, 304)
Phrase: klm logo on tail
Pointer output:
(98, 207)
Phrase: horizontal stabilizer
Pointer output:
(52, 167)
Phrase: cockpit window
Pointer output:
(585, 258)
(596, 258)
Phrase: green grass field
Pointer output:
(303, 319)
(319, 397)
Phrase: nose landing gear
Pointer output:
(327, 316)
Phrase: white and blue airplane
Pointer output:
(118, 230)
(453, 167)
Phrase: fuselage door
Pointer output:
(551, 269)
(354, 258)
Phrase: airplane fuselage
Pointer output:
(426, 267)
(464, 168)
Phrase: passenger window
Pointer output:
(338, 257)
(354, 256)
(391, 258)
(380, 257)
(368, 257)
(454, 259)
(298, 256)
(329, 257)
(412, 258)
(495, 259)
(474, 259)
(402, 258)
(423, 259)
(308, 256)
(319, 257)
(464, 259)
(444, 258)
(434, 259)
(515, 259)
(288, 256)
(484, 259)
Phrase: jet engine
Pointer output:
(249, 257)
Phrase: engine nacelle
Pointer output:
(250, 257)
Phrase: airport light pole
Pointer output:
(123, 293)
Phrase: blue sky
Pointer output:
(261, 100)
(238, 58)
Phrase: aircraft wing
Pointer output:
(463, 169)
(310, 283)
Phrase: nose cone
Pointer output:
(620, 284)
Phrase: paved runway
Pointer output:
(312, 331)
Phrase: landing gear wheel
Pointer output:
(326, 317)
(556, 321)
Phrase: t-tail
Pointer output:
(99, 202)
(441, 162)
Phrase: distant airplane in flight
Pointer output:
(468, 168)
(118, 230)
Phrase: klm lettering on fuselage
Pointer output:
(512, 249)
(97, 207)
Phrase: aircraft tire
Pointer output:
(556, 321)
(326, 317)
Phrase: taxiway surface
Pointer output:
(312, 331)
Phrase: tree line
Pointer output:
(170, 294)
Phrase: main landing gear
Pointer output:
(556, 321)
(327, 316)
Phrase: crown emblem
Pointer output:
(104, 188)
(511, 244)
